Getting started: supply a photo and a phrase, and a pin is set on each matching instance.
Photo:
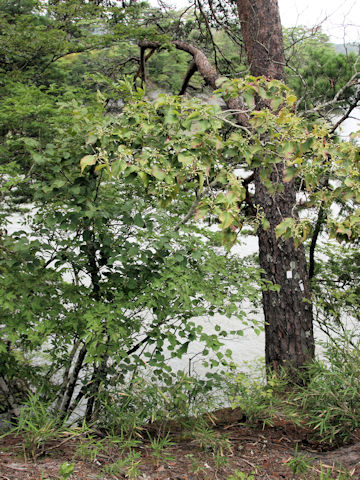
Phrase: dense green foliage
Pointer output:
(100, 276)
(98, 284)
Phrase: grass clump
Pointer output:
(330, 402)
(37, 427)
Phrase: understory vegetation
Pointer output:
(147, 421)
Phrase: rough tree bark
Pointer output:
(289, 339)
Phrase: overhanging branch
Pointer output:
(209, 74)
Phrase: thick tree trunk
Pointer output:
(262, 34)
(289, 336)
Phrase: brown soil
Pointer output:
(263, 452)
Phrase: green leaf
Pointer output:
(38, 159)
(290, 173)
(87, 161)
(91, 139)
(201, 212)
(138, 221)
(288, 149)
(276, 102)
(59, 183)
(201, 126)
(265, 224)
(186, 158)
(228, 238)
(249, 99)
(118, 167)
(226, 219)
(144, 177)
(282, 228)
(31, 142)
(158, 173)
(171, 116)
(183, 349)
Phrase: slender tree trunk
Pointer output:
(289, 338)
(65, 403)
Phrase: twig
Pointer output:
(233, 124)
(190, 212)
(346, 114)
(208, 28)
(335, 100)
(58, 445)
(249, 463)
(19, 469)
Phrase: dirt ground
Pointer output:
(262, 453)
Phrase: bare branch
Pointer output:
(190, 72)
(208, 28)
(233, 124)
(346, 115)
(234, 38)
(143, 59)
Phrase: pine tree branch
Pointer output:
(190, 72)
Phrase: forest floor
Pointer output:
(233, 451)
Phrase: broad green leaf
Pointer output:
(87, 161)
(249, 99)
(288, 149)
(91, 139)
(118, 167)
(183, 349)
(265, 224)
(290, 173)
(186, 158)
(144, 177)
(171, 116)
(276, 102)
(226, 219)
(158, 173)
(228, 238)
(282, 228)
(201, 212)
(38, 159)
(291, 99)
(138, 221)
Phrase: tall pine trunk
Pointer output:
(289, 338)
